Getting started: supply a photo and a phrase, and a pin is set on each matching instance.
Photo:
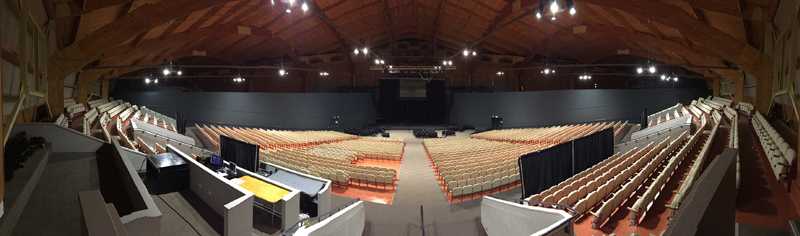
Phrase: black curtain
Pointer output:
(592, 149)
(543, 169)
(540, 170)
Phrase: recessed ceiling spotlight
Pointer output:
(675, 79)
(180, 72)
(571, 6)
(465, 52)
(147, 80)
(304, 7)
(166, 71)
(365, 50)
(538, 15)
(155, 81)
(356, 52)
(651, 69)
(288, 10)
(639, 70)
(554, 6)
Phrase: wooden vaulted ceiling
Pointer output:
(136, 32)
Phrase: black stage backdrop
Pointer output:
(543, 169)
(395, 109)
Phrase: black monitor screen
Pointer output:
(243, 154)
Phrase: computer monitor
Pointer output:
(216, 160)
(242, 154)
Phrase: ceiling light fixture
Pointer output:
(554, 7)
(365, 50)
(304, 7)
(356, 52)
(155, 81)
(282, 72)
(571, 7)
(639, 70)
(146, 80)
(652, 69)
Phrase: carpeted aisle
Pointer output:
(417, 187)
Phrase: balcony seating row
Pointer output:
(779, 153)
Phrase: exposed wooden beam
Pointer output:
(436, 22)
(713, 40)
(317, 11)
(389, 23)
(90, 48)
(503, 14)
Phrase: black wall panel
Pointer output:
(271, 110)
(531, 109)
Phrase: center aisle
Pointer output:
(418, 187)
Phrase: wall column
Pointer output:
(715, 86)
(2, 151)
(55, 95)
(763, 94)
(86, 80)
(738, 90)
(105, 85)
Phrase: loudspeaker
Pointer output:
(335, 122)
(497, 122)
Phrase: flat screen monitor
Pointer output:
(242, 154)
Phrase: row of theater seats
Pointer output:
(746, 107)
(552, 135)
(696, 167)
(646, 201)
(610, 184)
(665, 115)
(489, 160)
(722, 101)
(106, 119)
(328, 154)
(733, 138)
(778, 152)
(468, 165)
(638, 174)
(62, 121)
